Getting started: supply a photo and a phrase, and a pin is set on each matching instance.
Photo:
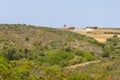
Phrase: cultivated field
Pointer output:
(99, 35)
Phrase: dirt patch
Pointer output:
(82, 64)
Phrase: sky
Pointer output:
(56, 13)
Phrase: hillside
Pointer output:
(30, 52)
(42, 40)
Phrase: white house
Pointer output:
(89, 29)
(78, 29)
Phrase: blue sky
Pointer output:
(56, 13)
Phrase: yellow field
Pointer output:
(99, 35)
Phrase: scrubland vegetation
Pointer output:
(40, 53)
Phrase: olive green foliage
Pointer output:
(40, 53)
(112, 47)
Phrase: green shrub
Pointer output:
(63, 63)
(105, 54)
(80, 77)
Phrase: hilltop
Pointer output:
(28, 36)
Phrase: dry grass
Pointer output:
(99, 35)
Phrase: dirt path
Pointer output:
(82, 64)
